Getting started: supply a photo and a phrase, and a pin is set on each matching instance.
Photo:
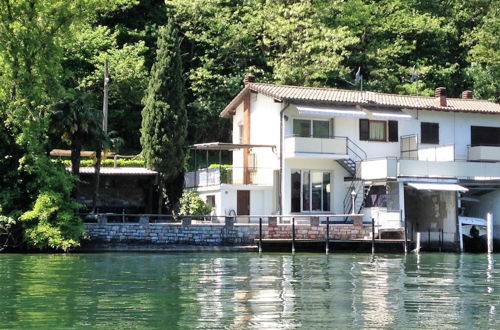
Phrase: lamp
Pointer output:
(353, 196)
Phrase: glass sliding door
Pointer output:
(310, 191)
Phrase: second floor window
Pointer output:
(378, 130)
(311, 128)
(429, 133)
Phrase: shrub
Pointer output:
(52, 223)
(192, 204)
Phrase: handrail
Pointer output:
(349, 141)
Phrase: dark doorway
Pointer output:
(243, 202)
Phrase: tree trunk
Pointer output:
(160, 194)
(174, 192)
(97, 173)
(76, 148)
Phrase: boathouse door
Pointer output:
(243, 202)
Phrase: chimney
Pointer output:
(441, 96)
(249, 78)
(467, 94)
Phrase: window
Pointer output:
(484, 136)
(310, 191)
(318, 128)
(429, 133)
(211, 200)
(378, 130)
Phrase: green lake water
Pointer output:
(245, 290)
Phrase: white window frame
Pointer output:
(311, 126)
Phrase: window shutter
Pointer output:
(364, 129)
(393, 131)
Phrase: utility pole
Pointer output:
(105, 99)
(97, 168)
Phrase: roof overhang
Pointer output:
(438, 187)
(228, 146)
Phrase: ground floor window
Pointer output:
(310, 190)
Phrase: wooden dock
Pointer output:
(321, 245)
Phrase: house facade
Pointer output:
(420, 162)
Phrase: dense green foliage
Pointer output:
(192, 204)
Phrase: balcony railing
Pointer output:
(484, 153)
(296, 145)
(234, 175)
(392, 167)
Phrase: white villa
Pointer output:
(301, 150)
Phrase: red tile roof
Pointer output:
(308, 95)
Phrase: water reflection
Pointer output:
(269, 291)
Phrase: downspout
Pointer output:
(282, 176)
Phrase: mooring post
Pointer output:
(489, 232)
(327, 238)
(441, 240)
(373, 235)
(405, 233)
(429, 238)
(260, 235)
(417, 244)
(293, 234)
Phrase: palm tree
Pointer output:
(76, 121)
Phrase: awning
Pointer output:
(438, 186)
(387, 115)
(331, 111)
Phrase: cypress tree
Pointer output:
(164, 118)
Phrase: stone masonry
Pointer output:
(217, 234)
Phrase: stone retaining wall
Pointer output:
(216, 234)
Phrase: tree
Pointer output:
(164, 118)
(76, 121)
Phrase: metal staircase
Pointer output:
(352, 166)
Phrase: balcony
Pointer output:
(393, 168)
(206, 177)
(484, 153)
(311, 147)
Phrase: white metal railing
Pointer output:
(233, 175)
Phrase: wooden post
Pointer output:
(489, 232)
(460, 237)
(293, 234)
(260, 235)
(441, 240)
(429, 238)
(327, 238)
(405, 245)
(373, 235)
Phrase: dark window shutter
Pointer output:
(429, 133)
(364, 129)
(393, 131)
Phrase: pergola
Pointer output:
(224, 146)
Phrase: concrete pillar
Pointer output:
(186, 221)
(102, 219)
(229, 223)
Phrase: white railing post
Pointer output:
(489, 229)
